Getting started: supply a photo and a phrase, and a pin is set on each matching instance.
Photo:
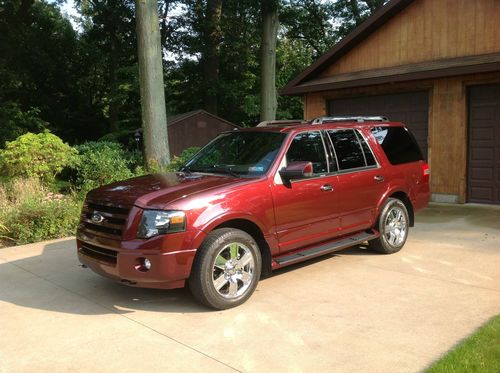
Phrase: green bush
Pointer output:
(30, 213)
(179, 161)
(100, 163)
(41, 155)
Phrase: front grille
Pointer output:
(99, 253)
(113, 220)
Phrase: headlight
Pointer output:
(155, 222)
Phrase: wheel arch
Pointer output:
(253, 230)
(403, 197)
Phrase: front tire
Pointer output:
(226, 269)
(393, 225)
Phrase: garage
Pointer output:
(484, 144)
(411, 108)
(435, 67)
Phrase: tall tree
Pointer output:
(211, 58)
(154, 118)
(270, 24)
(108, 62)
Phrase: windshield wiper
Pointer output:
(221, 169)
(185, 169)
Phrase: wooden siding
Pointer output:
(448, 124)
(448, 137)
(427, 30)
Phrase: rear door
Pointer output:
(361, 181)
(305, 209)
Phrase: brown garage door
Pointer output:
(484, 144)
(411, 108)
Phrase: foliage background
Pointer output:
(68, 81)
(78, 77)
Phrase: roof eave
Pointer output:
(397, 78)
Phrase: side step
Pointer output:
(325, 248)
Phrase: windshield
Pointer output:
(238, 154)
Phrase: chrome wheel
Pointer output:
(233, 270)
(395, 226)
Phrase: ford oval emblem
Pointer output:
(96, 217)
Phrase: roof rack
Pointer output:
(361, 119)
(321, 120)
(291, 122)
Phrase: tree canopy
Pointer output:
(80, 80)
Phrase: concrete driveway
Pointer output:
(352, 311)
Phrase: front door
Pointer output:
(305, 209)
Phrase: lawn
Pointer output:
(478, 353)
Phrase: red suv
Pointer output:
(254, 200)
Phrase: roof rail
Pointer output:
(266, 123)
(320, 120)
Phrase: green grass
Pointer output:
(478, 353)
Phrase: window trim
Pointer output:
(324, 152)
(277, 175)
(369, 147)
(329, 147)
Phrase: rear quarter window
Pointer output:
(398, 144)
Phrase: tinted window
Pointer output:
(398, 143)
(241, 153)
(308, 147)
(370, 159)
(348, 149)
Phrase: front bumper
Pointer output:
(171, 257)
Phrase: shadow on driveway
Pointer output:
(36, 276)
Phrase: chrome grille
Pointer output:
(114, 219)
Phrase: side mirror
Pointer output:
(296, 170)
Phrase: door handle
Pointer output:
(326, 188)
(378, 178)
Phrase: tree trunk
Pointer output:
(212, 54)
(154, 118)
(270, 25)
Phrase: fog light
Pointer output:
(143, 264)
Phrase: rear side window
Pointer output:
(398, 144)
(351, 149)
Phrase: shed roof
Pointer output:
(171, 120)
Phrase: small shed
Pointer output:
(433, 64)
(194, 128)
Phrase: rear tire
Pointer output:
(393, 225)
(226, 269)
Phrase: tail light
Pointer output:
(426, 171)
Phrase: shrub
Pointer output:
(179, 161)
(99, 163)
(29, 213)
(41, 155)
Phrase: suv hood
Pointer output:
(156, 191)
